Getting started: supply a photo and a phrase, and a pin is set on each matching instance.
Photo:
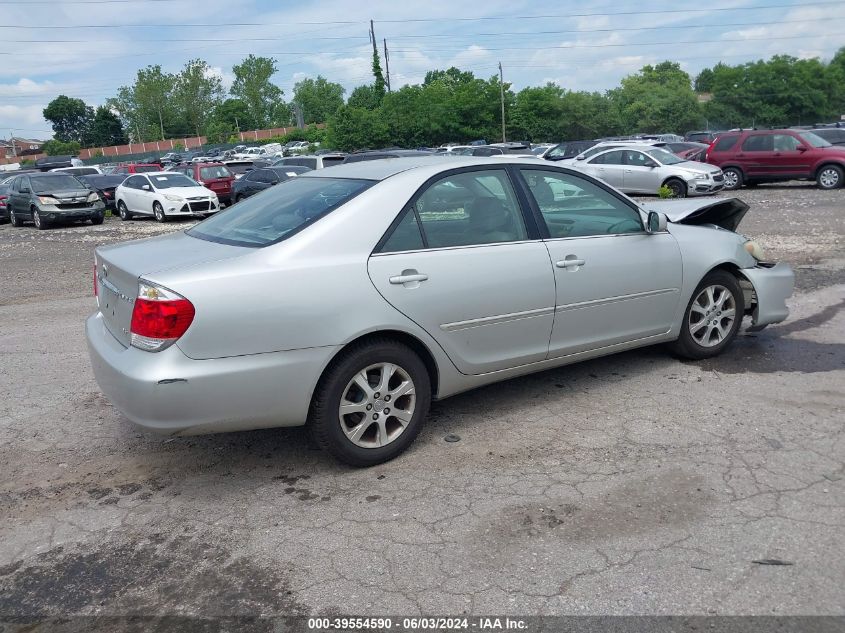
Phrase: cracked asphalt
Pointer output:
(633, 484)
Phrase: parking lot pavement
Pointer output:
(630, 484)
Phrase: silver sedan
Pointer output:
(645, 169)
(350, 297)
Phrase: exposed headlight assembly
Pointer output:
(755, 250)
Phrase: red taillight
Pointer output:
(708, 150)
(159, 317)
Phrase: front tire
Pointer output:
(733, 178)
(712, 318)
(123, 211)
(97, 219)
(158, 211)
(830, 177)
(370, 404)
(39, 222)
(677, 187)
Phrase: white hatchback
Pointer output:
(164, 195)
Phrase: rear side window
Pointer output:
(328, 161)
(758, 143)
(725, 143)
(611, 158)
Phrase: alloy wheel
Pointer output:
(377, 405)
(731, 179)
(712, 315)
(829, 178)
(36, 218)
(159, 212)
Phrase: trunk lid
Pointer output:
(119, 267)
(724, 212)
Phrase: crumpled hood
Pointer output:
(724, 212)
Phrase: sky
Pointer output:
(89, 48)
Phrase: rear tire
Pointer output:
(712, 318)
(678, 187)
(15, 220)
(397, 382)
(733, 178)
(158, 211)
(238, 199)
(123, 211)
(830, 177)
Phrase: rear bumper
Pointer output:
(772, 287)
(167, 392)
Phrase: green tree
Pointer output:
(657, 99)
(70, 117)
(253, 86)
(357, 128)
(197, 93)
(106, 129)
(378, 77)
(61, 148)
(319, 98)
(147, 107)
(364, 97)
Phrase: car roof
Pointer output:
(384, 168)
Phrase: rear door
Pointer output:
(609, 166)
(756, 156)
(614, 282)
(462, 262)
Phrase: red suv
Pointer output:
(753, 156)
(215, 176)
(135, 168)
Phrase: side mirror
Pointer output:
(802, 148)
(651, 165)
(580, 157)
(26, 190)
(146, 188)
(656, 222)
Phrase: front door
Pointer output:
(791, 156)
(641, 175)
(615, 282)
(461, 264)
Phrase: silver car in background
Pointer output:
(645, 169)
(350, 297)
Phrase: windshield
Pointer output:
(814, 139)
(277, 212)
(664, 157)
(167, 181)
(209, 173)
(43, 184)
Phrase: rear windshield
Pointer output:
(328, 161)
(143, 169)
(166, 181)
(667, 158)
(725, 143)
(240, 168)
(277, 212)
(219, 171)
(43, 184)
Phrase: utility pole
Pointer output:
(161, 123)
(386, 65)
(373, 38)
(502, 97)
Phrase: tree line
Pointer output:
(453, 105)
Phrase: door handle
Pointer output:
(570, 263)
(410, 278)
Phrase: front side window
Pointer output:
(758, 143)
(786, 143)
(573, 206)
(279, 211)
